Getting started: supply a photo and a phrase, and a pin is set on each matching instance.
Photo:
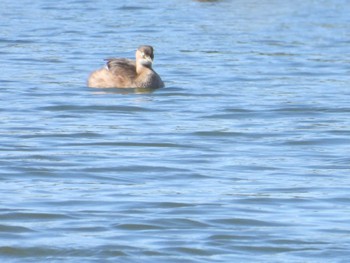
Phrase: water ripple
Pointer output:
(242, 157)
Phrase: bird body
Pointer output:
(126, 73)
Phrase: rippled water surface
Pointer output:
(243, 157)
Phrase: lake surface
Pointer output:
(244, 156)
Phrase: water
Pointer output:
(243, 157)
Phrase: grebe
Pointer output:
(126, 73)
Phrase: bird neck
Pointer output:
(140, 68)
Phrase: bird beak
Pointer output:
(149, 59)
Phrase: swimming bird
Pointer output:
(126, 73)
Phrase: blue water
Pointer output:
(244, 156)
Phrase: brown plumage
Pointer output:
(126, 73)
